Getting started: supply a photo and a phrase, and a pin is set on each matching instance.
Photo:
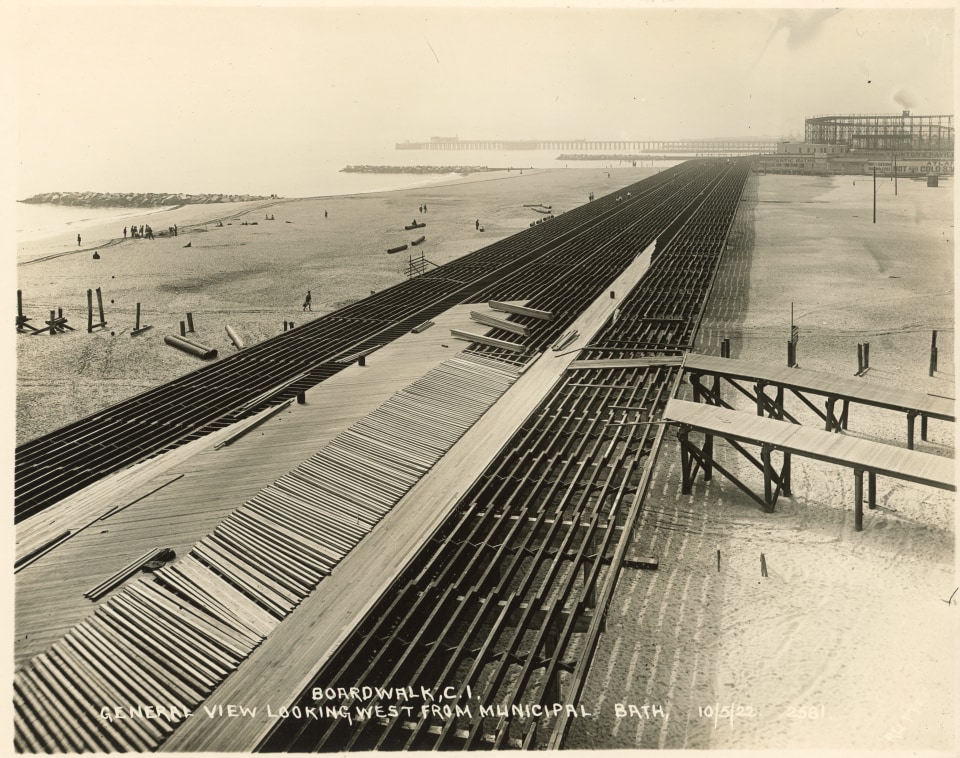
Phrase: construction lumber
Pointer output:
(483, 340)
(521, 310)
(499, 323)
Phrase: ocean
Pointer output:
(317, 177)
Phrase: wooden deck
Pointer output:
(178, 498)
(802, 380)
(851, 452)
(288, 659)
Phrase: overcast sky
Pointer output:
(131, 98)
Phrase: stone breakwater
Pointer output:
(136, 199)
(463, 170)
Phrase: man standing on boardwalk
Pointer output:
(306, 302)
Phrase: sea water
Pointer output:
(314, 176)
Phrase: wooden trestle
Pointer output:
(772, 435)
(706, 373)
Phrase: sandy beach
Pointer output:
(251, 277)
(848, 643)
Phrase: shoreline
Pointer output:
(251, 277)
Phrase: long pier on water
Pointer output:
(705, 147)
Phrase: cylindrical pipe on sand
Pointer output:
(234, 338)
(200, 351)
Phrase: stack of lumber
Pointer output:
(171, 639)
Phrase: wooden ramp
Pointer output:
(771, 435)
(802, 383)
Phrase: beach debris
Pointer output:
(763, 565)
(419, 240)
(950, 601)
(718, 560)
(415, 225)
(398, 249)
(189, 244)
(422, 327)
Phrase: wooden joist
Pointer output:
(520, 310)
(483, 340)
(488, 320)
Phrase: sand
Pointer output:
(251, 277)
(847, 644)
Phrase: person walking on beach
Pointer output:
(78, 240)
(478, 225)
(306, 302)
(324, 214)
(124, 232)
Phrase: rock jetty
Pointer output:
(462, 170)
(135, 199)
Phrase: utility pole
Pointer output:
(894, 174)
(874, 194)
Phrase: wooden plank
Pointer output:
(852, 452)
(499, 323)
(520, 310)
(483, 340)
(817, 382)
(615, 363)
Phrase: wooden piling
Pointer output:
(89, 311)
(103, 321)
(53, 322)
(933, 353)
(137, 327)
(189, 322)
(183, 329)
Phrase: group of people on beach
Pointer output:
(142, 232)
(423, 208)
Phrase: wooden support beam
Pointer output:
(483, 340)
(487, 320)
(520, 310)
(858, 499)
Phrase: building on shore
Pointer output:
(906, 145)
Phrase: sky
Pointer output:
(217, 98)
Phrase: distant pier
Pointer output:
(717, 147)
